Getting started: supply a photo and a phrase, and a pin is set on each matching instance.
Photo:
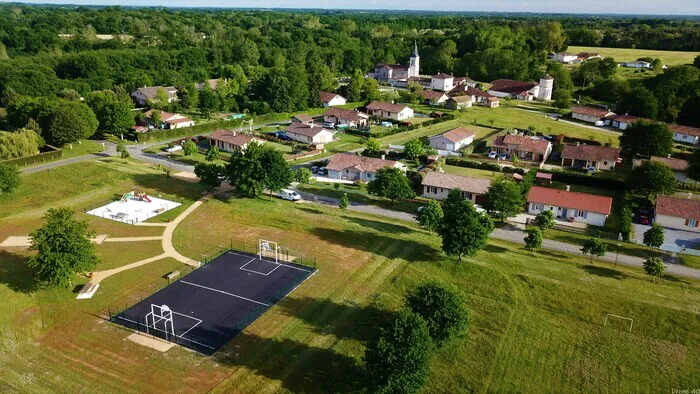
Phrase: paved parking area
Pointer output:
(674, 240)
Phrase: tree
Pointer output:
(257, 168)
(124, 154)
(397, 360)
(156, 118)
(113, 112)
(160, 101)
(372, 147)
(71, 121)
(390, 183)
(189, 148)
(212, 154)
(20, 143)
(639, 101)
(442, 308)
(207, 100)
(3, 52)
(654, 237)
(210, 175)
(413, 148)
(544, 220)
(654, 267)
(504, 197)
(64, 248)
(303, 175)
(464, 231)
(647, 139)
(370, 90)
(696, 62)
(344, 202)
(430, 216)
(594, 247)
(354, 87)
(694, 166)
(651, 178)
(533, 239)
(9, 178)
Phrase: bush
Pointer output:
(584, 180)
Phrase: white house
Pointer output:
(142, 95)
(433, 97)
(622, 122)
(169, 120)
(599, 157)
(389, 110)
(564, 57)
(569, 206)
(308, 134)
(635, 64)
(352, 167)
(452, 140)
(678, 213)
(458, 102)
(231, 141)
(523, 90)
(687, 134)
(329, 99)
(437, 185)
(442, 82)
(346, 116)
(591, 114)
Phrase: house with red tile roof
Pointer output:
(169, 120)
(622, 122)
(525, 148)
(452, 140)
(443, 82)
(346, 116)
(433, 97)
(231, 141)
(308, 133)
(679, 166)
(678, 212)
(520, 90)
(389, 110)
(146, 94)
(592, 114)
(570, 206)
(437, 185)
(585, 156)
(330, 99)
(352, 167)
(687, 134)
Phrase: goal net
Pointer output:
(622, 319)
(268, 249)
(160, 319)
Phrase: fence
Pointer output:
(125, 220)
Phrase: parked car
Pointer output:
(173, 148)
(290, 195)
(493, 154)
(591, 169)
(314, 169)
(329, 125)
(643, 216)
(322, 171)
(502, 156)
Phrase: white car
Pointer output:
(290, 195)
(173, 148)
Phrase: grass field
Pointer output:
(472, 172)
(535, 323)
(670, 58)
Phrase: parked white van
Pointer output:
(290, 195)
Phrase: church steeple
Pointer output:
(415, 49)
(414, 62)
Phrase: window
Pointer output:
(582, 214)
(605, 163)
(537, 207)
(692, 223)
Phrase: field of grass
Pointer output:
(360, 196)
(690, 261)
(670, 58)
(472, 172)
(535, 320)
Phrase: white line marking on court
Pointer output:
(179, 336)
(223, 292)
(251, 260)
(288, 266)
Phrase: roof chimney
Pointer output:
(578, 143)
(568, 188)
(668, 156)
(383, 159)
(690, 196)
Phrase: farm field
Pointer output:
(535, 323)
(670, 58)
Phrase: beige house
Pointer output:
(231, 141)
(437, 185)
(308, 134)
(525, 148)
(452, 140)
(389, 110)
(169, 120)
(433, 97)
(351, 167)
(687, 134)
(599, 157)
(459, 102)
(591, 114)
(678, 213)
(330, 99)
(346, 116)
(142, 95)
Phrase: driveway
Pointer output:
(674, 240)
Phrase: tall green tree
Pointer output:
(343, 202)
(9, 178)
(212, 154)
(20, 143)
(654, 237)
(64, 249)
(639, 101)
(651, 178)
(397, 360)
(390, 183)
(533, 239)
(354, 87)
(430, 216)
(654, 267)
(257, 168)
(464, 231)
(113, 112)
(210, 175)
(442, 308)
(413, 148)
(694, 166)
(208, 101)
(504, 198)
(71, 121)
(544, 220)
(370, 90)
(646, 139)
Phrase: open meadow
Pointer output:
(536, 321)
(669, 58)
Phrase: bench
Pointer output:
(172, 275)
(87, 291)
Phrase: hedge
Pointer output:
(453, 161)
(56, 153)
(585, 180)
(183, 132)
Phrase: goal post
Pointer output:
(610, 315)
(268, 249)
(160, 319)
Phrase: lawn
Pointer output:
(535, 320)
(471, 172)
(670, 58)
(360, 196)
(690, 261)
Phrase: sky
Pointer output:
(665, 7)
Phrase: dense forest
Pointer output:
(278, 61)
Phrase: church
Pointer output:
(398, 72)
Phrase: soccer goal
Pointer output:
(160, 319)
(268, 249)
(627, 319)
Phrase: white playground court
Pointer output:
(134, 208)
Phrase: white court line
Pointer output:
(277, 265)
(288, 266)
(223, 292)
(179, 336)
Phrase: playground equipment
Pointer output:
(135, 195)
(127, 196)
